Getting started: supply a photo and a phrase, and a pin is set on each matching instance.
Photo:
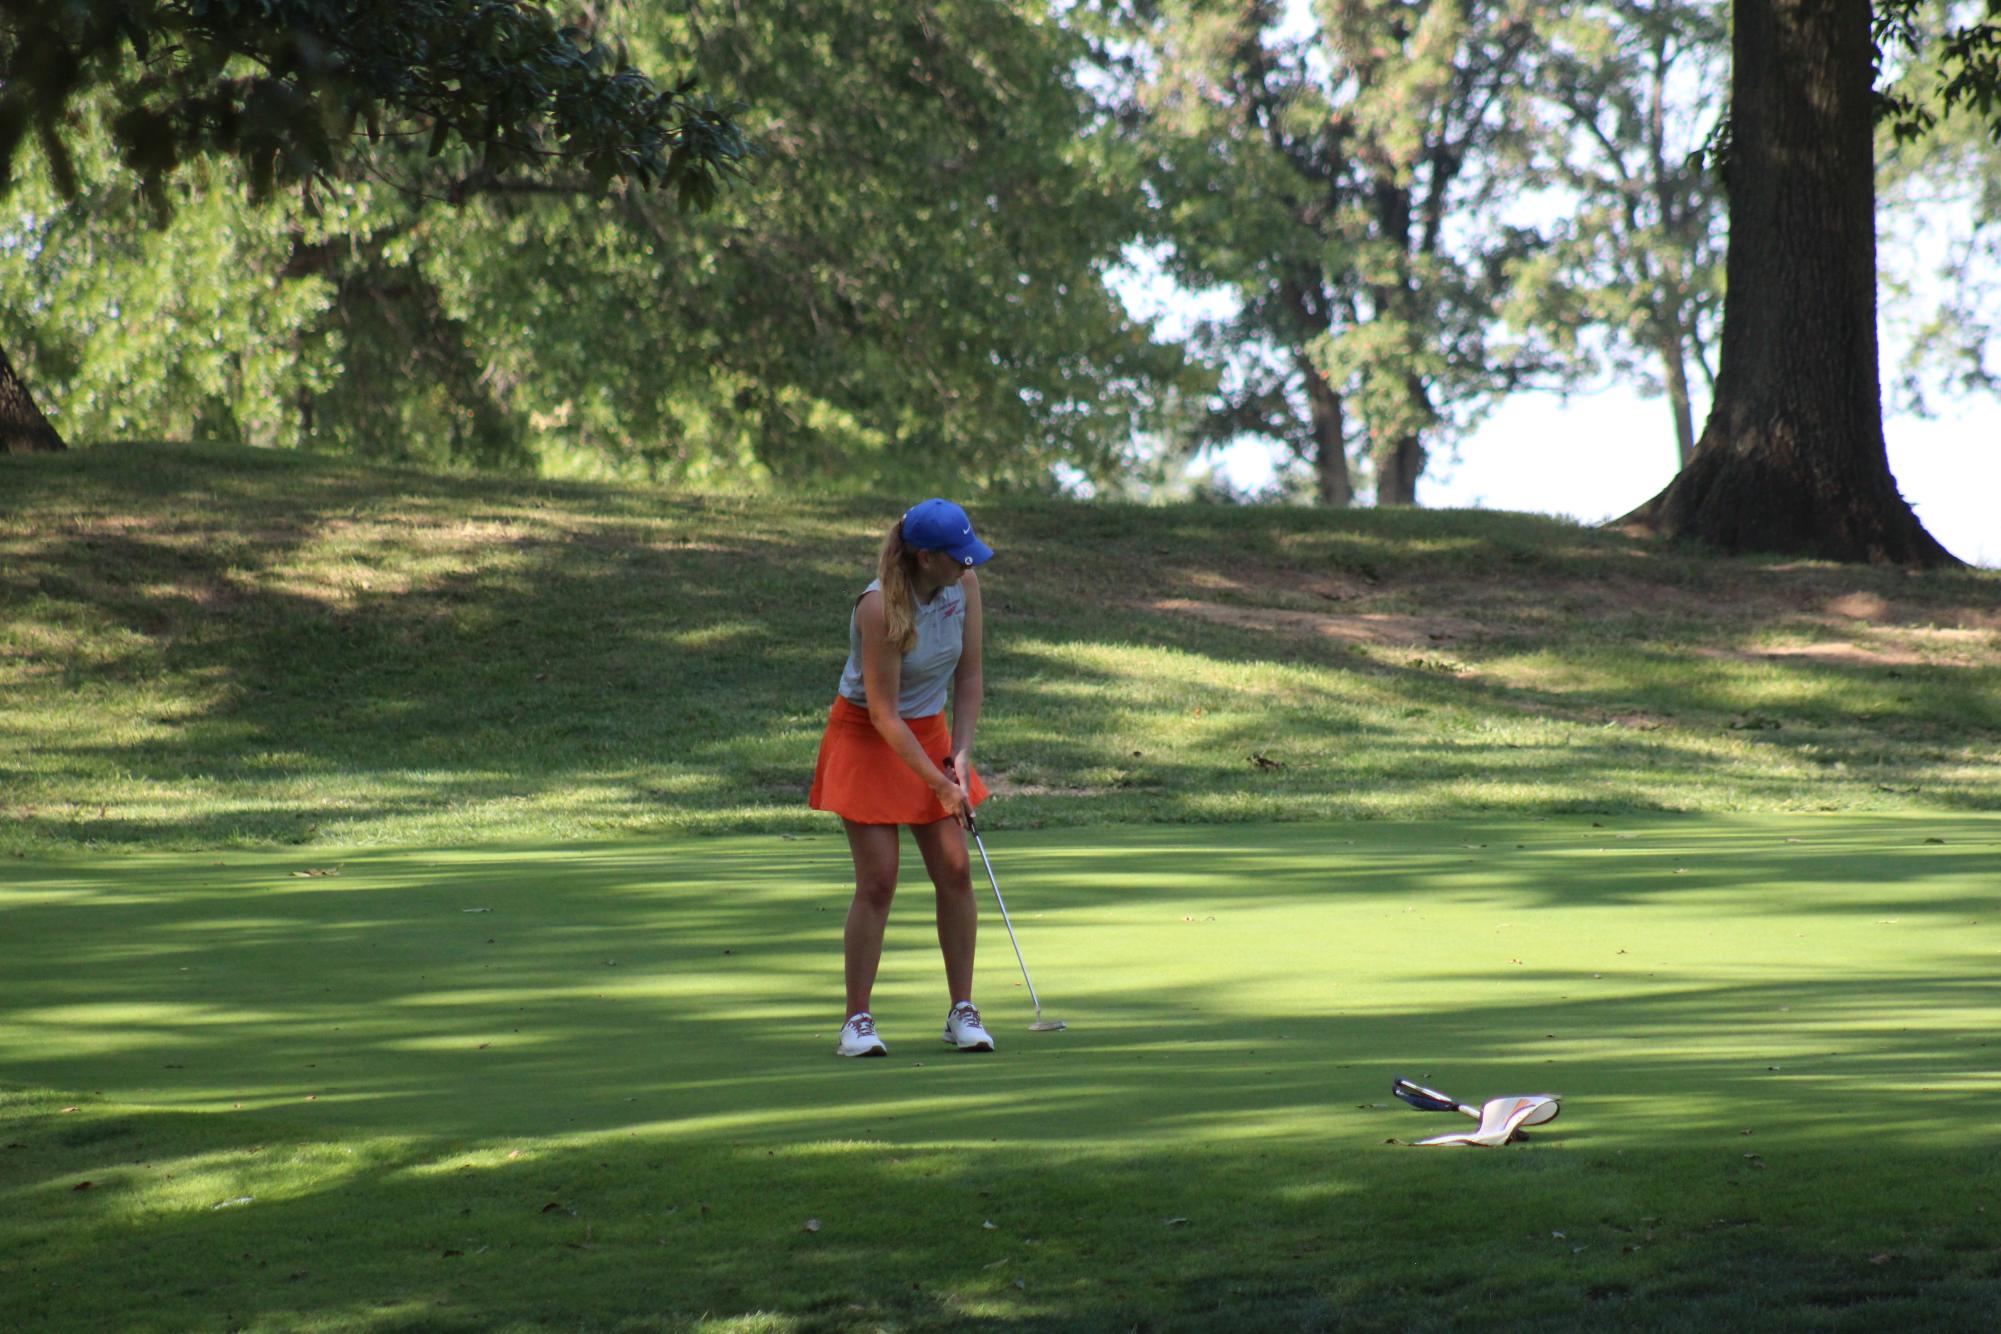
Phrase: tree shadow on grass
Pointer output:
(405, 643)
(358, 1054)
(619, 984)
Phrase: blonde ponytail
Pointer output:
(899, 603)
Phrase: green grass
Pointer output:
(208, 647)
(592, 1087)
(363, 974)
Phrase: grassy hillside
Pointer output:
(206, 647)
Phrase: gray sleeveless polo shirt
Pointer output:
(928, 667)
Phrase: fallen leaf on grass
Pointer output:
(231, 1204)
(1884, 1258)
(1175, 1222)
(812, 1225)
(475, 910)
(1754, 1160)
(551, 1207)
(84, 1185)
(449, 1254)
(990, 1226)
(317, 871)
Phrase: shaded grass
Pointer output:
(205, 647)
(591, 1087)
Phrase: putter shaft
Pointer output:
(987, 862)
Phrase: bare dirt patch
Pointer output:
(1002, 787)
(1389, 629)
(1895, 646)
(1827, 616)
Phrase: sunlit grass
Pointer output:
(590, 1086)
(205, 647)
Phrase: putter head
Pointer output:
(1422, 1098)
(1047, 1026)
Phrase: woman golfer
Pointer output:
(888, 759)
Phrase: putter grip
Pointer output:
(972, 827)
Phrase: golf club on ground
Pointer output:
(1040, 1025)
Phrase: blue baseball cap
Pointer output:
(939, 525)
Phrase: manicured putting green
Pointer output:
(1778, 1040)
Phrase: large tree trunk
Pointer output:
(1334, 488)
(23, 428)
(1792, 458)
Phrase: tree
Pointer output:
(198, 324)
(1640, 250)
(908, 289)
(286, 86)
(1939, 207)
(1351, 185)
(23, 428)
(1792, 458)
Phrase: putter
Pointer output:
(1431, 1100)
(1040, 1025)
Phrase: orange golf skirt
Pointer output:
(860, 778)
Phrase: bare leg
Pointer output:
(875, 853)
(944, 847)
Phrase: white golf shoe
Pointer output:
(858, 1037)
(964, 1030)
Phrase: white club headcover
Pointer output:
(1500, 1118)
